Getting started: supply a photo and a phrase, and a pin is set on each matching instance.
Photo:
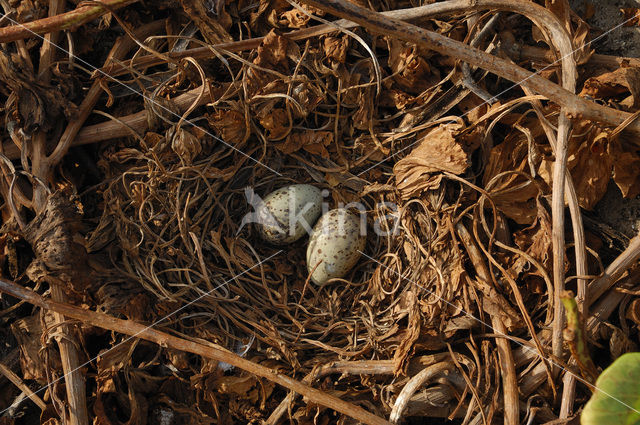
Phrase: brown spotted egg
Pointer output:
(286, 214)
(335, 245)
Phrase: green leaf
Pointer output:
(616, 401)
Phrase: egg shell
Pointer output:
(284, 212)
(334, 246)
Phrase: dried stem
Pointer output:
(540, 54)
(69, 355)
(615, 270)
(505, 355)
(60, 21)
(582, 107)
(414, 384)
(119, 49)
(137, 330)
(362, 367)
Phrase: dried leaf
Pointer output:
(513, 195)
(438, 150)
(275, 121)
(213, 24)
(535, 240)
(295, 18)
(395, 98)
(516, 198)
(335, 49)
(403, 353)
(314, 142)
(186, 145)
(363, 118)
(410, 71)
(159, 111)
(615, 83)
(590, 169)
(562, 10)
(231, 125)
(307, 95)
(583, 49)
(626, 171)
(27, 332)
(39, 106)
(272, 54)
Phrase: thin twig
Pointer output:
(15, 379)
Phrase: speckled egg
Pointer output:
(334, 246)
(286, 214)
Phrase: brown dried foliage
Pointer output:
(166, 234)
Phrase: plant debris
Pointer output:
(131, 157)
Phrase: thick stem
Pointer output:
(77, 413)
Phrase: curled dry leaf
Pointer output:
(512, 194)
(535, 240)
(615, 83)
(438, 150)
(295, 18)
(27, 331)
(231, 124)
(626, 173)
(159, 111)
(406, 347)
(314, 142)
(582, 43)
(410, 70)
(275, 121)
(213, 23)
(335, 49)
(246, 387)
(307, 96)
(39, 106)
(29, 10)
(395, 98)
(364, 117)
(186, 145)
(590, 166)
(579, 35)
(272, 54)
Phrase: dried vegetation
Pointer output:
(123, 190)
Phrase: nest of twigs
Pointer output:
(126, 182)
